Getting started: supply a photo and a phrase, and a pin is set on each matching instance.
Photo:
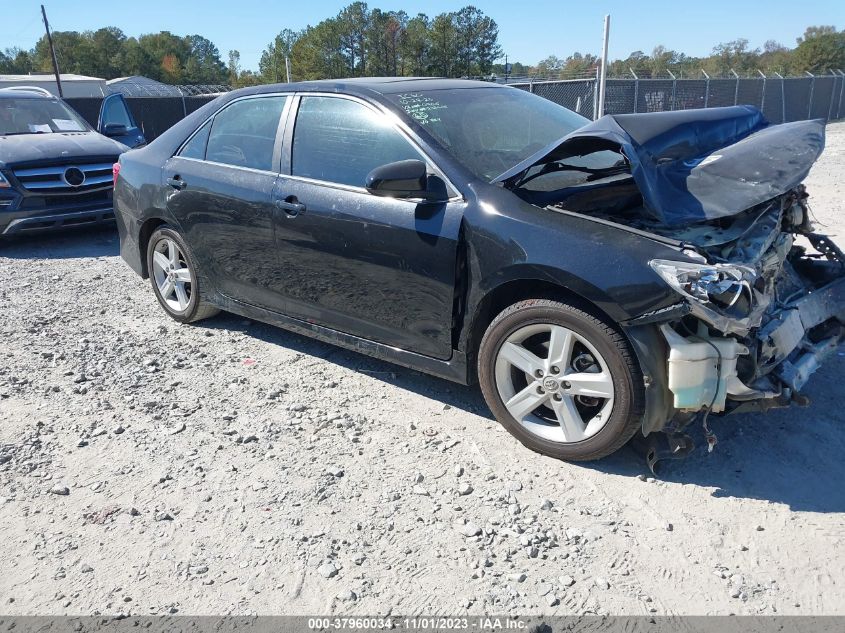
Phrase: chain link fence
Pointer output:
(781, 99)
(153, 114)
(155, 106)
(150, 88)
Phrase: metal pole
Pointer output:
(812, 89)
(674, 87)
(636, 89)
(782, 98)
(763, 95)
(841, 86)
(603, 72)
(287, 67)
(52, 52)
(832, 91)
(736, 90)
(706, 88)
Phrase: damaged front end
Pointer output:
(761, 297)
(766, 306)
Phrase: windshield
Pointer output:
(489, 130)
(38, 116)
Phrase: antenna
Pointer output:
(52, 52)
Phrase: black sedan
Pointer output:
(597, 279)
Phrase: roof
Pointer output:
(135, 79)
(141, 86)
(48, 77)
(7, 93)
(381, 85)
(72, 85)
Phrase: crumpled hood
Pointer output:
(31, 148)
(696, 165)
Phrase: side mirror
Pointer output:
(114, 129)
(402, 179)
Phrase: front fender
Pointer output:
(607, 265)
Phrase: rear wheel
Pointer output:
(561, 380)
(174, 279)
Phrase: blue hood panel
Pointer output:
(697, 165)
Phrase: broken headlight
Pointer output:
(724, 288)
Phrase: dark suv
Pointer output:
(55, 170)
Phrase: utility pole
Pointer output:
(603, 70)
(52, 52)
(287, 67)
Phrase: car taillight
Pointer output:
(115, 171)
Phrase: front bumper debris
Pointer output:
(791, 345)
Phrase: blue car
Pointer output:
(55, 169)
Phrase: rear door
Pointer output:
(221, 186)
(375, 267)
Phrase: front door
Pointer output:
(221, 194)
(375, 267)
(116, 121)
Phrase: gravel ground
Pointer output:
(230, 467)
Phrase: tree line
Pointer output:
(361, 41)
(109, 53)
(364, 42)
(820, 50)
(358, 41)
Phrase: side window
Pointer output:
(114, 111)
(338, 140)
(195, 148)
(244, 133)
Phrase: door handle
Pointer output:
(177, 183)
(291, 206)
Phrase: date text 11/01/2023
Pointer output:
(420, 623)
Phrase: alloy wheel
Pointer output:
(554, 382)
(172, 275)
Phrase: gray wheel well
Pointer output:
(147, 229)
(512, 292)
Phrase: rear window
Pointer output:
(195, 148)
(244, 133)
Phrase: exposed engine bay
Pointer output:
(761, 295)
(762, 310)
(765, 305)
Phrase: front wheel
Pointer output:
(173, 275)
(562, 381)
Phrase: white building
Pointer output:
(72, 85)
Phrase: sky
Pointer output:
(528, 31)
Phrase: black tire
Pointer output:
(628, 397)
(197, 308)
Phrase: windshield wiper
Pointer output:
(23, 133)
